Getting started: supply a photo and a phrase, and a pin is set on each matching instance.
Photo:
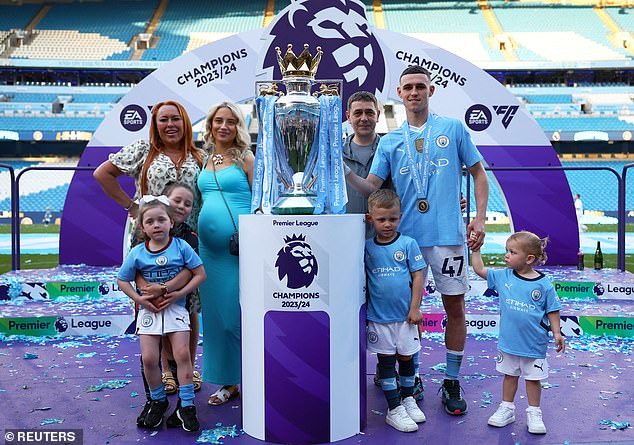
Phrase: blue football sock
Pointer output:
(406, 371)
(186, 394)
(454, 360)
(158, 393)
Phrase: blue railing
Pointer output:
(15, 209)
(621, 180)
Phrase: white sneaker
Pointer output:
(502, 417)
(413, 411)
(534, 420)
(399, 419)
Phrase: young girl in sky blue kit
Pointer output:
(529, 308)
(159, 259)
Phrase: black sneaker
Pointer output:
(140, 421)
(419, 391)
(173, 421)
(154, 416)
(187, 415)
(452, 397)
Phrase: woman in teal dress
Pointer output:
(228, 173)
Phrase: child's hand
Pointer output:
(560, 342)
(472, 242)
(170, 298)
(149, 302)
(414, 316)
(152, 290)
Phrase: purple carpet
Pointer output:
(93, 384)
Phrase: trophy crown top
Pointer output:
(304, 65)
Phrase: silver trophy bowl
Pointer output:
(297, 121)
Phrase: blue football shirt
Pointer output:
(388, 269)
(161, 266)
(450, 148)
(524, 308)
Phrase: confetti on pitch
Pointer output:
(51, 421)
(111, 384)
(30, 356)
(214, 435)
(614, 425)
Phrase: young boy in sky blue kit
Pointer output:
(394, 268)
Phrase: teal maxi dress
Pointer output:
(219, 294)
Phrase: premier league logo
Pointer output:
(598, 289)
(350, 50)
(61, 325)
(296, 262)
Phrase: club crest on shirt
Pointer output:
(536, 295)
(442, 141)
(161, 261)
(399, 255)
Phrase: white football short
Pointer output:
(392, 338)
(174, 318)
(449, 267)
(527, 367)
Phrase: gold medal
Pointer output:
(423, 205)
(420, 144)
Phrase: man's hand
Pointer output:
(475, 233)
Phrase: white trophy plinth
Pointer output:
(302, 299)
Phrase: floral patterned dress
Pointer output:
(161, 172)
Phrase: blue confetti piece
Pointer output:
(30, 355)
(614, 425)
(86, 354)
(51, 421)
(134, 394)
(111, 384)
(214, 435)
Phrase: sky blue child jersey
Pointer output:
(161, 266)
(388, 267)
(524, 305)
(450, 147)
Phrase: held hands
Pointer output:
(149, 302)
(475, 234)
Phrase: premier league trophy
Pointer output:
(299, 145)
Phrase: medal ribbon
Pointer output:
(419, 178)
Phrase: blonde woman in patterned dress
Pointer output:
(169, 156)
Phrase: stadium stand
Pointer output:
(209, 21)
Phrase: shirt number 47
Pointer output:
(450, 265)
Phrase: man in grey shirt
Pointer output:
(358, 149)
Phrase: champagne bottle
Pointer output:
(598, 257)
(580, 260)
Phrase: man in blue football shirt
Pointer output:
(424, 159)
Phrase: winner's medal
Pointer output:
(423, 205)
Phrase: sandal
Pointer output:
(169, 382)
(223, 395)
(198, 380)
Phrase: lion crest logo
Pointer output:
(61, 325)
(598, 289)
(296, 262)
(340, 27)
